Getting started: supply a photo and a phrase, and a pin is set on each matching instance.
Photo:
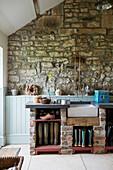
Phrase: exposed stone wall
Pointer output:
(32, 131)
(47, 46)
(99, 137)
(66, 135)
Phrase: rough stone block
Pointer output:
(40, 44)
(99, 52)
(26, 65)
(56, 54)
(63, 120)
(63, 112)
(24, 37)
(69, 1)
(14, 43)
(58, 10)
(94, 12)
(91, 31)
(17, 52)
(99, 151)
(66, 151)
(34, 59)
(27, 72)
(49, 22)
(68, 14)
(83, 9)
(102, 121)
(13, 78)
(102, 111)
(32, 151)
(16, 65)
(69, 43)
(53, 43)
(99, 138)
(67, 31)
(28, 43)
(41, 53)
(71, 20)
(10, 53)
(107, 21)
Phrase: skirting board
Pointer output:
(18, 139)
(2, 140)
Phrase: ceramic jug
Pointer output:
(58, 92)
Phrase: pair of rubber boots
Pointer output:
(80, 137)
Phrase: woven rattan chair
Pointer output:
(11, 162)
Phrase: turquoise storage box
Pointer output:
(101, 96)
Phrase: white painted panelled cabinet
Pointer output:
(17, 119)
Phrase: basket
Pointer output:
(45, 100)
(11, 162)
(36, 99)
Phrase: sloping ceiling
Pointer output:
(15, 14)
(45, 5)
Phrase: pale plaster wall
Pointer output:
(3, 44)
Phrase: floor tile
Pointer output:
(26, 163)
(98, 162)
(25, 150)
(56, 162)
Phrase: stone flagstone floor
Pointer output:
(64, 162)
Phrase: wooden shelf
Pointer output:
(48, 149)
(82, 149)
(51, 120)
(108, 148)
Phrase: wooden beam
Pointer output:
(82, 122)
(36, 6)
